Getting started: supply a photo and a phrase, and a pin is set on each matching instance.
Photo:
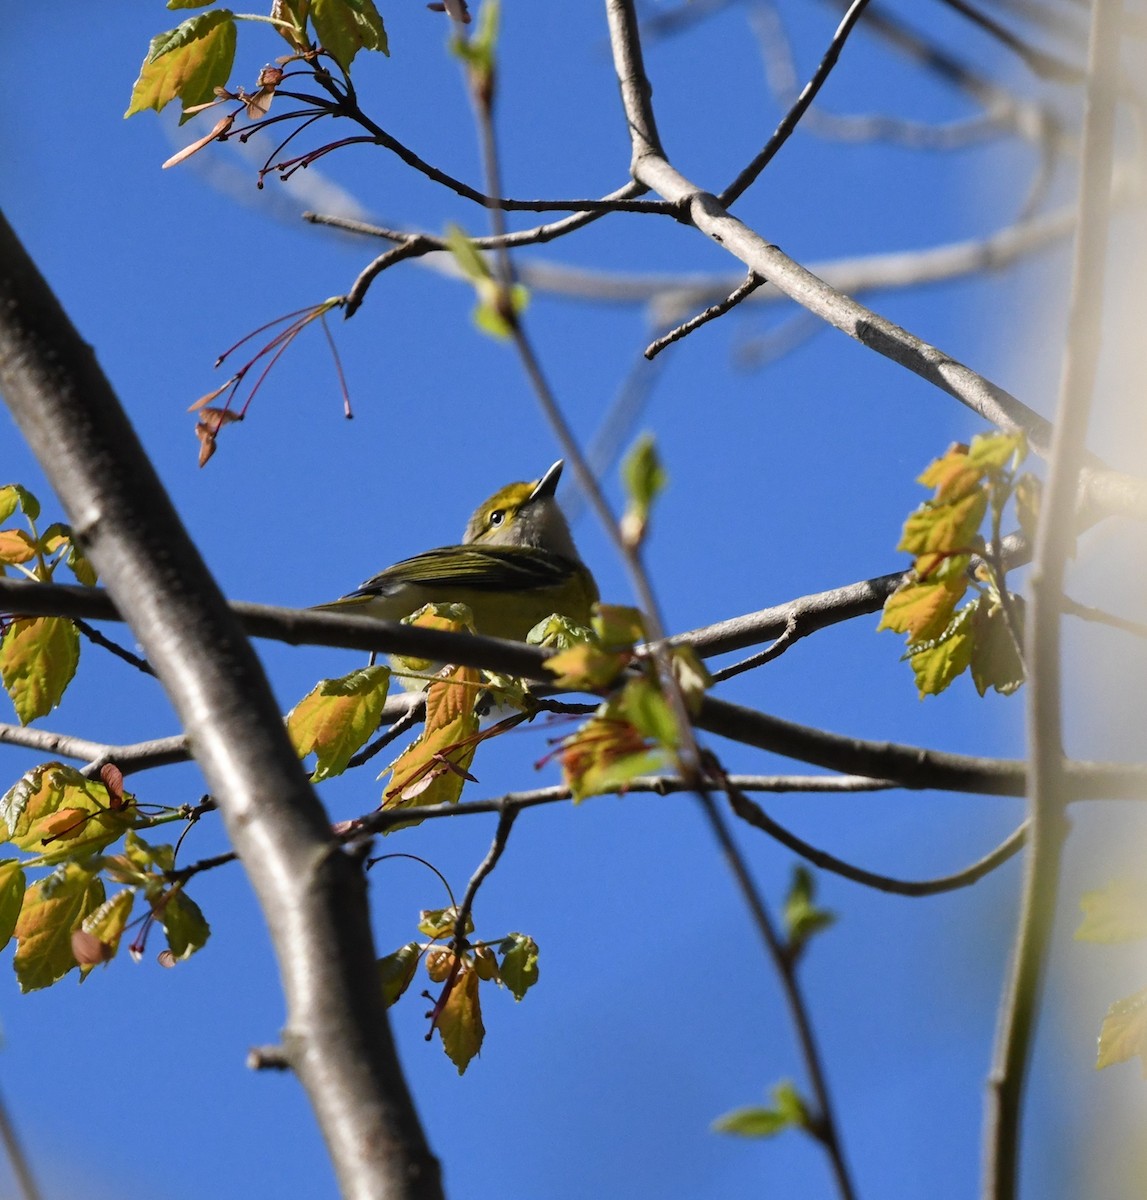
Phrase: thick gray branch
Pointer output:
(312, 893)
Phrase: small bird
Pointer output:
(517, 565)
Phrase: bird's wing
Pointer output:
(493, 568)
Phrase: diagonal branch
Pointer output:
(312, 893)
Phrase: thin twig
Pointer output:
(1048, 776)
(1042, 63)
(21, 1167)
(405, 721)
(752, 813)
(789, 121)
(750, 285)
(823, 1125)
(1089, 613)
(96, 638)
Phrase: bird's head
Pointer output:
(524, 514)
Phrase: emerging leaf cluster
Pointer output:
(65, 920)
(38, 655)
(985, 635)
(452, 958)
(193, 61)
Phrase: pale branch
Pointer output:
(741, 292)
(1088, 612)
(1104, 489)
(754, 815)
(17, 1158)
(822, 1125)
(312, 893)
(1050, 782)
(788, 122)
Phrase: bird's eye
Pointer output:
(497, 516)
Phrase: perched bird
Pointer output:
(517, 565)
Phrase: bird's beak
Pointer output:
(548, 484)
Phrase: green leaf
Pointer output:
(803, 918)
(38, 658)
(56, 536)
(396, 970)
(642, 704)
(460, 1021)
(344, 27)
(15, 495)
(53, 908)
(12, 888)
(996, 661)
(944, 528)
(189, 61)
(604, 754)
(184, 924)
(1124, 1032)
(1029, 493)
(519, 965)
(788, 1111)
(1115, 913)
(644, 478)
(993, 451)
(935, 664)
(336, 717)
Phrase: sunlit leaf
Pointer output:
(189, 61)
(439, 922)
(586, 667)
(38, 658)
(643, 704)
(53, 908)
(434, 767)
(16, 546)
(936, 663)
(12, 887)
(56, 812)
(644, 478)
(944, 528)
(922, 610)
(336, 717)
(184, 924)
(993, 451)
(15, 496)
(1029, 493)
(1123, 1034)
(605, 754)
(104, 926)
(788, 1111)
(344, 27)
(618, 626)
(460, 1020)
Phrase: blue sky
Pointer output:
(655, 1011)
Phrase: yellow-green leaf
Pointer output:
(644, 478)
(55, 812)
(336, 717)
(642, 704)
(1029, 492)
(802, 915)
(1124, 1032)
(189, 61)
(440, 922)
(53, 908)
(1115, 913)
(922, 609)
(944, 528)
(604, 754)
(15, 495)
(952, 475)
(788, 1111)
(993, 451)
(12, 887)
(105, 926)
(344, 27)
(618, 626)
(460, 1021)
(586, 667)
(935, 664)
(38, 658)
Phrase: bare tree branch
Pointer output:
(312, 893)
